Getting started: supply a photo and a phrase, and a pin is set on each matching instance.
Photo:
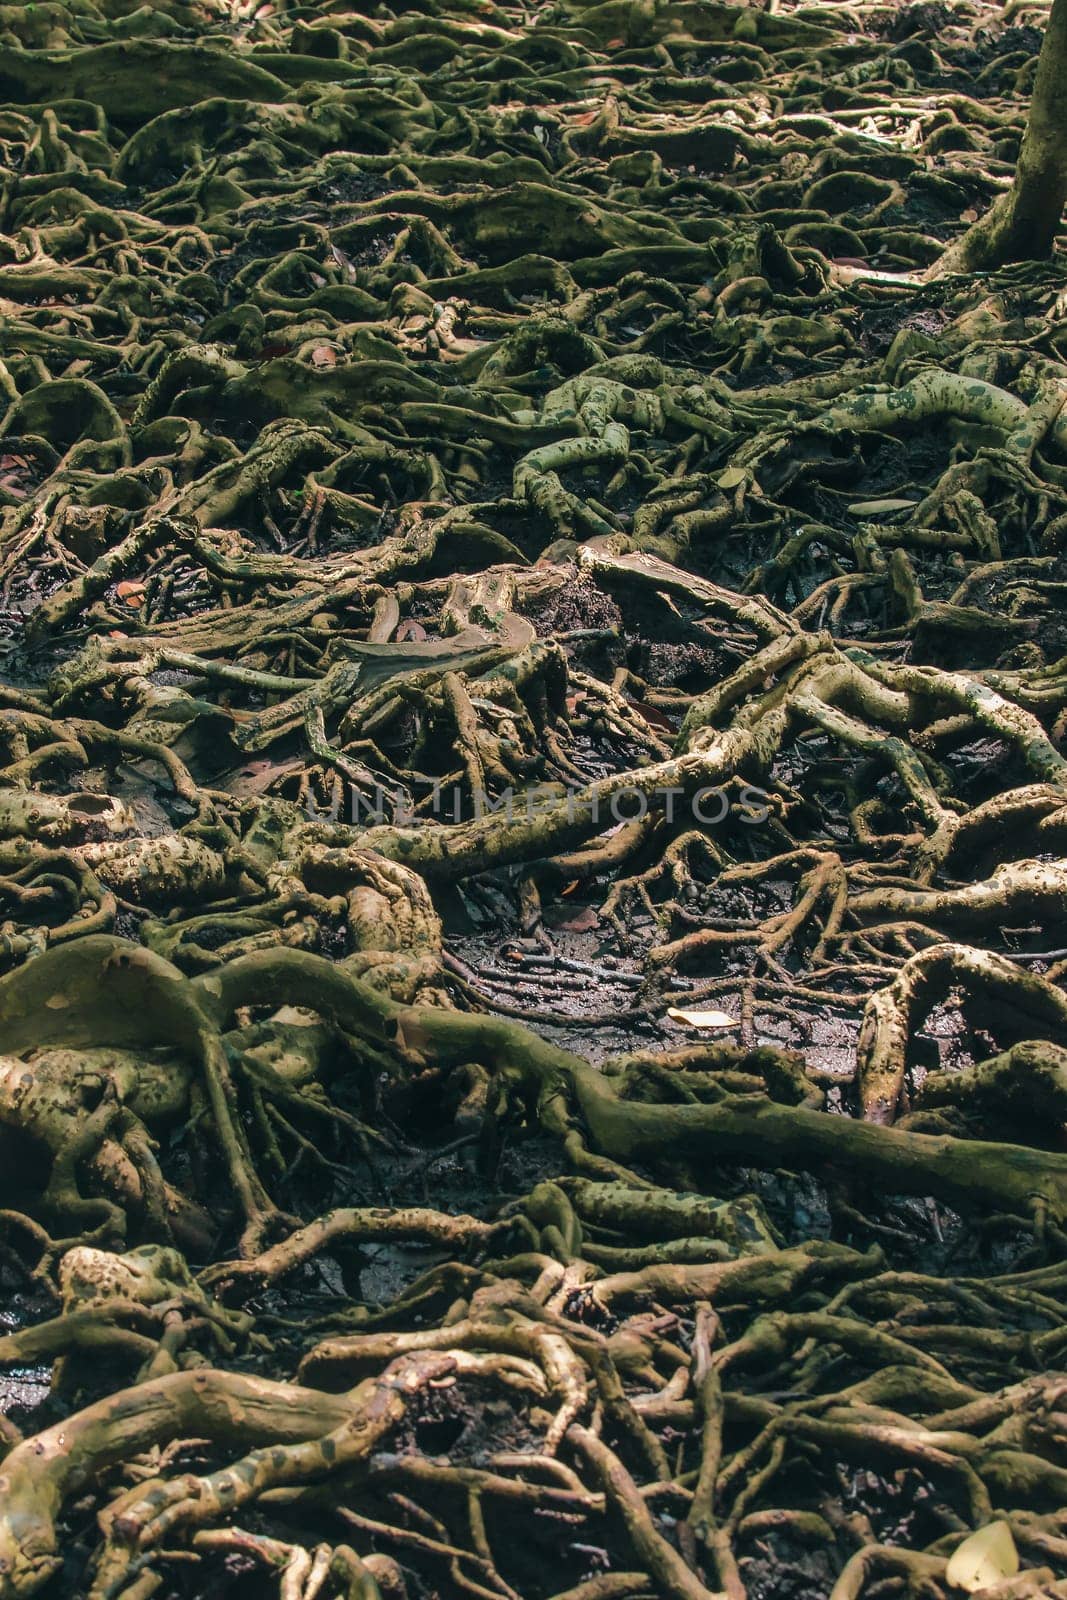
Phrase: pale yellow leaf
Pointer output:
(731, 477)
(864, 508)
(984, 1559)
(701, 1019)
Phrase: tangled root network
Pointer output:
(533, 805)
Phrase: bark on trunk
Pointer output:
(1022, 224)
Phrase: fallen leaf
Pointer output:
(701, 1019)
(256, 776)
(863, 508)
(583, 922)
(569, 888)
(653, 716)
(323, 356)
(970, 215)
(410, 630)
(984, 1559)
(731, 477)
(127, 589)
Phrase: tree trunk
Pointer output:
(1021, 225)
